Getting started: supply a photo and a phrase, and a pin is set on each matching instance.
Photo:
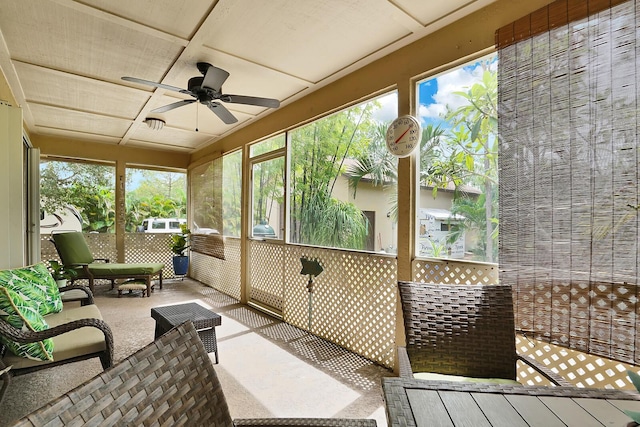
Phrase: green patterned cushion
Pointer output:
(36, 282)
(20, 311)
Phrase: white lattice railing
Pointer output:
(223, 275)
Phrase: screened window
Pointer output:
(458, 197)
(77, 197)
(268, 198)
(156, 195)
(343, 181)
(231, 193)
(206, 197)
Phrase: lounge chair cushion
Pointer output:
(35, 283)
(70, 344)
(121, 269)
(73, 248)
(21, 312)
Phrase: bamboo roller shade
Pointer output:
(569, 164)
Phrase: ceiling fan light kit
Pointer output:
(207, 90)
(155, 124)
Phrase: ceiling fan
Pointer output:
(207, 90)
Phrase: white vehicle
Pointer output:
(161, 225)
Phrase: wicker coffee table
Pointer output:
(204, 320)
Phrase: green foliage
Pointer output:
(318, 155)
(90, 188)
(268, 188)
(472, 158)
(60, 272)
(180, 241)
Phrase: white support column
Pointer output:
(13, 231)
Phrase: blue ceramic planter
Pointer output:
(180, 265)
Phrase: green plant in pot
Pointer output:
(635, 416)
(179, 246)
(60, 273)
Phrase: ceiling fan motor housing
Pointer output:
(203, 94)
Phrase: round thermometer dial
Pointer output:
(403, 136)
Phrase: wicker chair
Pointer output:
(77, 333)
(169, 382)
(461, 330)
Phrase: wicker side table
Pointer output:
(204, 320)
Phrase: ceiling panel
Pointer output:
(54, 36)
(180, 18)
(79, 136)
(428, 12)
(45, 86)
(307, 39)
(169, 137)
(58, 118)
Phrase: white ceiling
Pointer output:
(64, 59)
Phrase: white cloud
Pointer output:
(458, 80)
(388, 108)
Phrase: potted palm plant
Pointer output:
(60, 273)
(179, 246)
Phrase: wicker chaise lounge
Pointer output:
(169, 382)
(75, 253)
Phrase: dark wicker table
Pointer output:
(443, 403)
(204, 320)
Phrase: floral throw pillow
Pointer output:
(20, 312)
(36, 283)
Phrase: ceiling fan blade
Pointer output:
(160, 85)
(251, 100)
(174, 105)
(222, 112)
(214, 78)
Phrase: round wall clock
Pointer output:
(403, 136)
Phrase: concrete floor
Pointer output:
(267, 368)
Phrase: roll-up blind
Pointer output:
(569, 169)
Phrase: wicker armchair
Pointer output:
(78, 334)
(461, 330)
(169, 382)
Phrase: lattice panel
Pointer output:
(581, 369)
(221, 275)
(47, 249)
(353, 302)
(266, 274)
(102, 245)
(454, 272)
(150, 247)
